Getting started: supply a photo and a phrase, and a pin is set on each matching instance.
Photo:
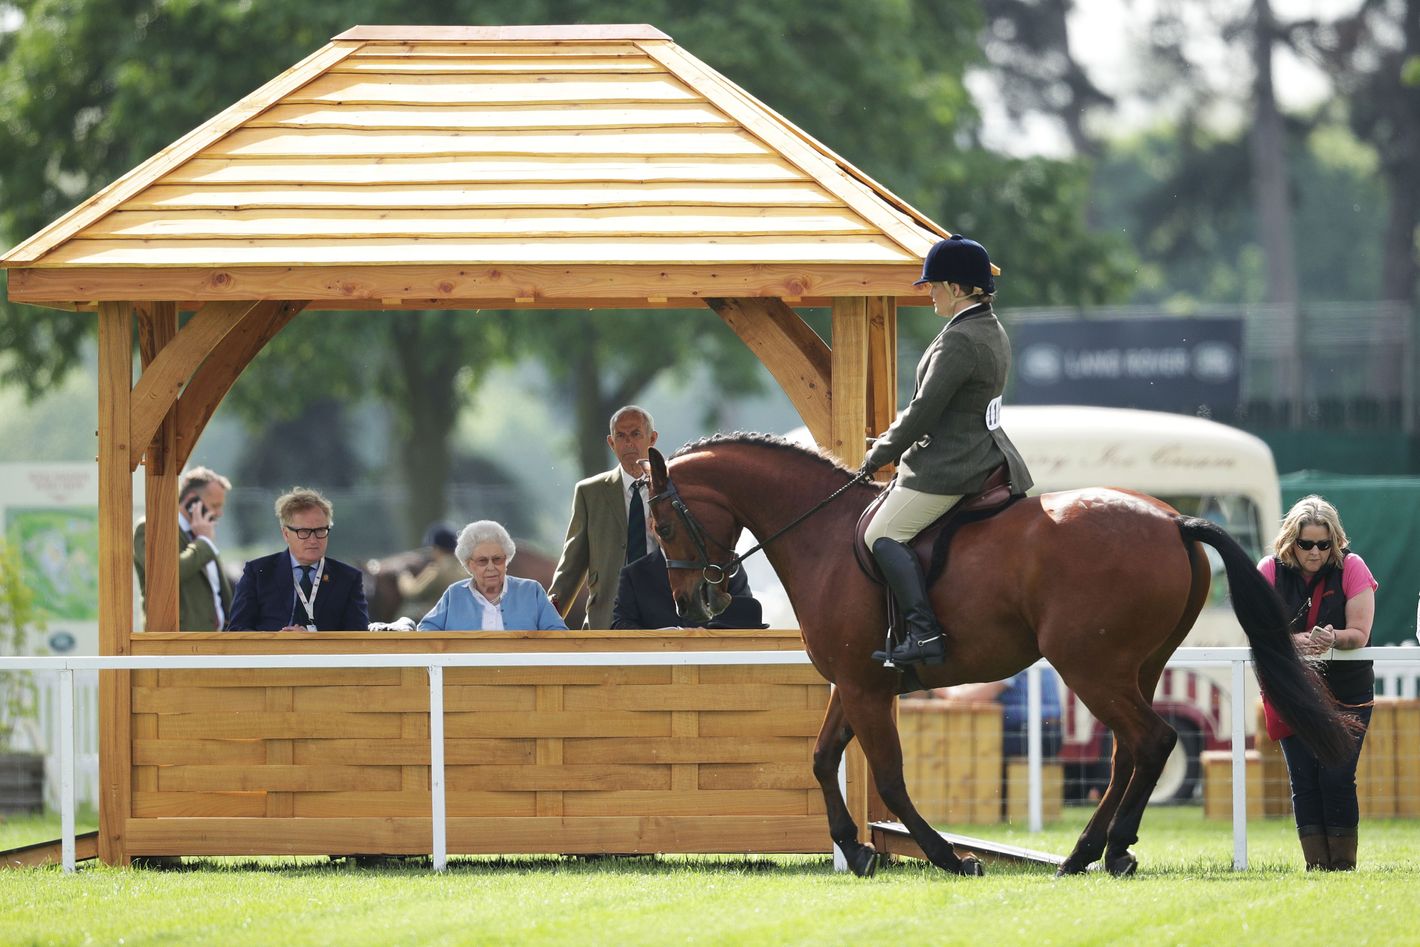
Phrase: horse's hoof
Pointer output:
(1122, 866)
(972, 867)
(863, 861)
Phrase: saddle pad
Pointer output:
(995, 495)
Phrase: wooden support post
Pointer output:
(848, 438)
(881, 410)
(848, 441)
(115, 577)
(157, 325)
(882, 363)
(791, 350)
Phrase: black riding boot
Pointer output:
(903, 574)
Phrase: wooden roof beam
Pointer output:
(502, 34)
(158, 387)
(606, 287)
(230, 357)
(794, 354)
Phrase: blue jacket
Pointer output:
(265, 599)
(525, 607)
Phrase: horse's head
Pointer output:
(699, 546)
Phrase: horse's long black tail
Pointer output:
(1292, 687)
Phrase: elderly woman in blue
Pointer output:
(490, 599)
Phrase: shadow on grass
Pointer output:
(571, 865)
(652, 865)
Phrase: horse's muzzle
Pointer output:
(702, 604)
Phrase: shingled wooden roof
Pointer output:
(410, 167)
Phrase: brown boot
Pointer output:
(1315, 847)
(1343, 849)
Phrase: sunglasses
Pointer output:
(1310, 544)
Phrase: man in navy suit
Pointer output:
(643, 599)
(299, 589)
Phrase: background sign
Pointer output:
(1191, 366)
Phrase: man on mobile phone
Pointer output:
(204, 590)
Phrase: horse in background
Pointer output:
(1103, 583)
(384, 600)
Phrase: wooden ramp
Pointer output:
(893, 838)
(86, 847)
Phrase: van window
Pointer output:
(1235, 513)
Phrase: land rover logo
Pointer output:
(1214, 362)
(1041, 364)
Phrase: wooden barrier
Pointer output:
(1218, 784)
(952, 759)
(1387, 774)
(564, 759)
(1407, 759)
(1375, 770)
(1276, 784)
(1052, 790)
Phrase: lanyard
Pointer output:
(310, 603)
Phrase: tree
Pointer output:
(605, 361)
(423, 366)
(1272, 196)
(1372, 54)
(1027, 43)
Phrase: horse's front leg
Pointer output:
(833, 738)
(870, 714)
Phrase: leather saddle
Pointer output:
(930, 545)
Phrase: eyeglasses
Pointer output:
(319, 532)
(483, 562)
(1309, 544)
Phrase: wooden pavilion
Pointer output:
(466, 168)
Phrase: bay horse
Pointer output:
(1103, 583)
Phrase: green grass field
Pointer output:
(1185, 893)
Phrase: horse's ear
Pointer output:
(659, 476)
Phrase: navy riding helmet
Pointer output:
(958, 260)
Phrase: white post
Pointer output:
(66, 767)
(840, 861)
(1239, 765)
(1033, 747)
(436, 767)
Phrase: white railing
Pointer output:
(1388, 661)
(1235, 658)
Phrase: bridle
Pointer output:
(727, 570)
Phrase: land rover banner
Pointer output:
(1190, 366)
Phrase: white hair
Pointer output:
(631, 409)
(477, 533)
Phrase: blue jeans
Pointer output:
(1015, 742)
(1321, 795)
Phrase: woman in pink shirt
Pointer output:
(1331, 597)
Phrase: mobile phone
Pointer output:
(196, 504)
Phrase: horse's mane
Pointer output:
(771, 441)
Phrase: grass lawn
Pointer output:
(1185, 893)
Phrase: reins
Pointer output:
(699, 536)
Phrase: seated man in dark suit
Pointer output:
(643, 599)
(299, 589)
